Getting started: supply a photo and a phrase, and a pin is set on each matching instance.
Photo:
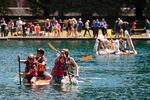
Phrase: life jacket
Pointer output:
(32, 66)
(58, 70)
(41, 68)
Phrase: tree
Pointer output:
(139, 5)
(147, 8)
(4, 4)
(40, 7)
(86, 7)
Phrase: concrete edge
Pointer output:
(35, 38)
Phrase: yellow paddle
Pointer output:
(52, 47)
(82, 59)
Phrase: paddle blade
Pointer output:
(86, 58)
(52, 47)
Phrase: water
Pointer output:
(125, 77)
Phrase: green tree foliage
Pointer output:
(147, 9)
(4, 4)
(40, 7)
(85, 7)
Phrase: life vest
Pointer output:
(32, 66)
(41, 68)
(58, 70)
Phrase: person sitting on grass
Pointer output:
(30, 69)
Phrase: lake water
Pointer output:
(125, 77)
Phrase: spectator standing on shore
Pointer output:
(37, 29)
(93, 27)
(80, 25)
(97, 27)
(117, 27)
(104, 26)
(11, 26)
(133, 27)
(19, 24)
(61, 25)
(3, 28)
(47, 27)
(147, 28)
(75, 24)
(24, 27)
(87, 28)
(30, 28)
(57, 29)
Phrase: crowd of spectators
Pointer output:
(73, 27)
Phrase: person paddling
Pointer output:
(64, 65)
(30, 69)
(41, 70)
(58, 71)
(71, 64)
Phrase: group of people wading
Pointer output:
(35, 69)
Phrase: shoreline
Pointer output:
(48, 38)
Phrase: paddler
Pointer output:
(30, 69)
(71, 64)
(58, 71)
(41, 70)
(64, 66)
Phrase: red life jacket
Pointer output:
(32, 66)
(58, 70)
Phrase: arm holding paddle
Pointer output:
(73, 62)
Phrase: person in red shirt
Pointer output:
(133, 27)
(30, 69)
(37, 29)
(58, 71)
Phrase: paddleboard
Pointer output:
(39, 82)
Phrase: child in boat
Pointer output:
(30, 69)
(41, 69)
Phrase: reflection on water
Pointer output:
(102, 77)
